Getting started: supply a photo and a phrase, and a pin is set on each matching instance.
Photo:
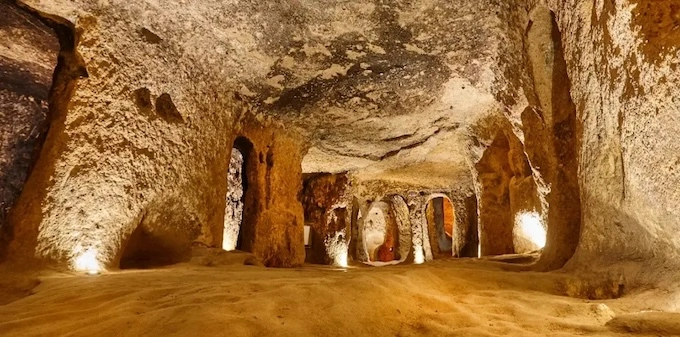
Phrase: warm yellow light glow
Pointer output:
(338, 248)
(229, 239)
(531, 228)
(341, 259)
(418, 255)
(88, 262)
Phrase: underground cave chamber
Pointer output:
(262, 198)
(523, 168)
(334, 137)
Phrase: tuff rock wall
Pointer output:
(29, 49)
(142, 142)
(622, 58)
(326, 199)
(273, 221)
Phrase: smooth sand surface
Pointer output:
(440, 298)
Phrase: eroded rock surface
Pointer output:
(326, 202)
(28, 57)
(622, 62)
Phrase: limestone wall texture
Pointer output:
(152, 94)
(495, 219)
(622, 59)
(322, 196)
(28, 55)
(273, 222)
(144, 139)
(401, 215)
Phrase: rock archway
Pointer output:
(330, 216)
(241, 166)
(495, 219)
(386, 231)
(249, 181)
(441, 222)
(511, 211)
(380, 233)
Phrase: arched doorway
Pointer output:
(236, 235)
(441, 220)
(381, 235)
(386, 232)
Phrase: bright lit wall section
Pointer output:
(529, 232)
(233, 214)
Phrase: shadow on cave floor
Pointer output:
(16, 286)
(524, 259)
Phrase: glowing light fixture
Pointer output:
(531, 227)
(229, 239)
(341, 259)
(338, 248)
(418, 255)
(88, 262)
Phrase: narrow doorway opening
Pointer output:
(237, 234)
(441, 225)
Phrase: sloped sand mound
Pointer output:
(441, 298)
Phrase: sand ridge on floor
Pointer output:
(443, 298)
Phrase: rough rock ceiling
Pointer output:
(381, 85)
(387, 89)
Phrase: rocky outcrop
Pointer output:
(621, 58)
(327, 211)
(28, 56)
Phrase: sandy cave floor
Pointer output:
(463, 297)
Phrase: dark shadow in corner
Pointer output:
(148, 250)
